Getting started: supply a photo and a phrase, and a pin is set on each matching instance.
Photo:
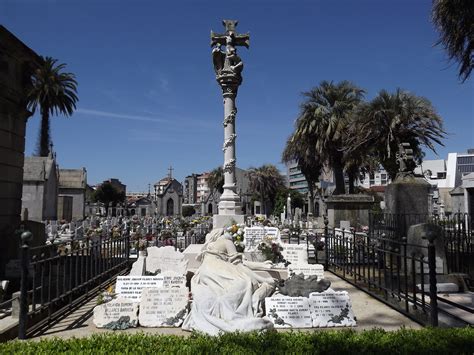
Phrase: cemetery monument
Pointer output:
(228, 68)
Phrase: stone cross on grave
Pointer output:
(228, 69)
(228, 65)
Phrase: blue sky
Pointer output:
(148, 97)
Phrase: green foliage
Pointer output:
(108, 194)
(55, 92)
(323, 123)
(188, 211)
(297, 200)
(376, 341)
(454, 21)
(264, 183)
(393, 118)
(215, 180)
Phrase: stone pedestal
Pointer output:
(407, 195)
(221, 221)
(353, 208)
(407, 199)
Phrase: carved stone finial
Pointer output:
(227, 64)
(405, 159)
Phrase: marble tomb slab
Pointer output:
(295, 253)
(254, 236)
(288, 312)
(163, 307)
(307, 270)
(164, 259)
(331, 309)
(120, 313)
(131, 286)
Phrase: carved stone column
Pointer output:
(228, 67)
(229, 203)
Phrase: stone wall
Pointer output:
(33, 199)
(65, 207)
(352, 208)
(78, 201)
(17, 62)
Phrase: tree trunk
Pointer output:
(44, 137)
(351, 183)
(311, 199)
(338, 175)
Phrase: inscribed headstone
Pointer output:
(288, 312)
(331, 309)
(121, 311)
(307, 270)
(131, 286)
(163, 307)
(426, 269)
(254, 236)
(295, 253)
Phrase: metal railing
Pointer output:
(384, 264)
(64, 274)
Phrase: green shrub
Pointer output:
(376, 341)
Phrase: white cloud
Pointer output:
(99, 113)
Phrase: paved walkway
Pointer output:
(370, 313)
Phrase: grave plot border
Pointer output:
(64, 275)
(380, 264)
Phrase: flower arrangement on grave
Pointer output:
(139, 243)
(106, 296)
(116, 232)
(166, 236)
(237, 232)
(271, 250)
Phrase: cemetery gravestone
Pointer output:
(165, 259)
(163, 307)
(331, 309)
(296, 254)
(116, 314)
(254, 236)
(288, 312)
(138, 267)
(131, 287)
(307, 270)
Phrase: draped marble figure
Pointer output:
(227, 294)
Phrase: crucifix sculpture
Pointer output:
(228, 68)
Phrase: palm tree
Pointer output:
(390, 119)
(215, 180)
(304, 153)
(55, 93)
(454, 20)
(324, 120)
(264, 182)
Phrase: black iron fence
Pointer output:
(58, 276)
(383, 263)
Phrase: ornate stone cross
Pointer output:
(228, 68)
